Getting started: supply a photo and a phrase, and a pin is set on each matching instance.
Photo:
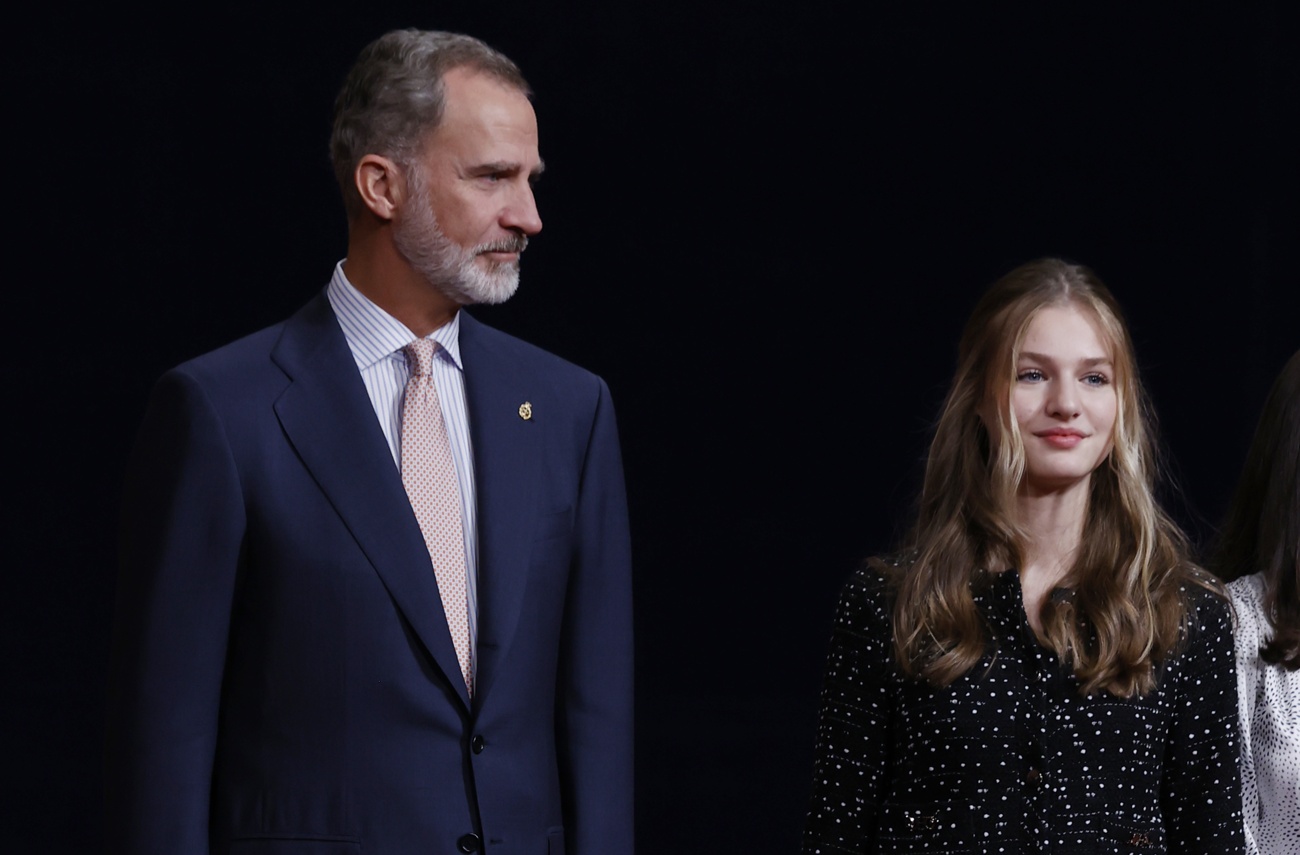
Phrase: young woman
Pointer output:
(1260, 550)
(1041, 668)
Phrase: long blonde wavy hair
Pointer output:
(1128, 609)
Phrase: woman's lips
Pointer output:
(1061, 437)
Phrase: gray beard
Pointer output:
(452, 269)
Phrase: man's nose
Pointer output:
(521, 214)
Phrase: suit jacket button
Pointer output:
(468, 843)
(476, 744)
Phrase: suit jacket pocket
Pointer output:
(294, 846)
(555, 841)
(943, 826)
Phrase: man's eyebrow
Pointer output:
(1090, 362)
(507, 166)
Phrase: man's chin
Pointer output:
(482, 289)
(501, 291)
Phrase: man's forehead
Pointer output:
(486, 121)
(465, 82)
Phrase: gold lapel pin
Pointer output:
(525, 411)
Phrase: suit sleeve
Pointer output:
(851, 758)
(182, 529)
(1201, 792)
(594, 720)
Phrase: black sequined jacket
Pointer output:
(1010, 757)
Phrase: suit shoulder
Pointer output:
(229, 378)
(510, 346)
(302, 339)
(527, 357)
(234, 357)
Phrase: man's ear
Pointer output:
(379, 183)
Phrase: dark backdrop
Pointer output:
(765, 224)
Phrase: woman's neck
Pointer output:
(1053, 527)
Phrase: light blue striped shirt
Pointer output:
(376, 339)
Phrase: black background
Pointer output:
(764, 226)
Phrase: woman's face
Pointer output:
(1063, 399)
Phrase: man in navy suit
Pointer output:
(287, 676)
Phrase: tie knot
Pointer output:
(419, 356)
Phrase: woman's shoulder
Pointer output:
(1247, 595)
(1207, 608)
(1207, 635)
(872, 586)
(865, 610)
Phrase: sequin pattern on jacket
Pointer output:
(1011, 757)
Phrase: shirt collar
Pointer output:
(372, 334)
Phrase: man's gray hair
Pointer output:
(393, 97)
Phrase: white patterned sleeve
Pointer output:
(1246, 641)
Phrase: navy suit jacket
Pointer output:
(284, 680)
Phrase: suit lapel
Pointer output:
(327, 416)
(505, 475)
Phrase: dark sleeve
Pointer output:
(1201, 791)
(850, 770)
(595, 715)
(182, 530)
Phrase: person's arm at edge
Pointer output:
(1246, 643)
(182, 532)
(594, 719)
(1201, 793)
(850, 766)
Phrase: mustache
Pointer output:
(514, 243)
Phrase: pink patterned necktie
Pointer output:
(429, 475)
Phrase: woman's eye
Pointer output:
(1096, 379)
(1032, 375)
